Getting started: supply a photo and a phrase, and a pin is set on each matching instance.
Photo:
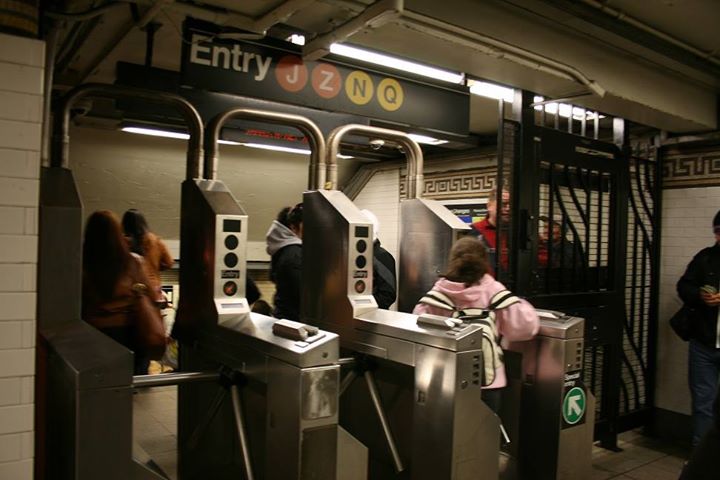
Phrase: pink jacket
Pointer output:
(515, 323)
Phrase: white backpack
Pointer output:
(485, 317)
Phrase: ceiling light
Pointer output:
(426, 140)
(565, 110)
(156, 133)
(184, 136)
(296, 39)
(396, 63)
(492, 90)
(277, 148)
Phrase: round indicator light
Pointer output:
(230, 288)
(231, 260)
(360, 262)
(359, 286)
(361, 246)
(231, 242)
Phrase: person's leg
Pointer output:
(492, 398)
(703, 378)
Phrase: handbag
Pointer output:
(147, 322)
(681, 323)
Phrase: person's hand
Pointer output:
(710, 299)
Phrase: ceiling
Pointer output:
(655, 62)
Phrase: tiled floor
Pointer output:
(641, 458)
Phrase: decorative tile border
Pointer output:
(686, 169)
(466, 183)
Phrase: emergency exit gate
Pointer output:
(583, 241)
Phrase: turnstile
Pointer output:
(84, 378)
(548, 411)
(283, 377)
(421, 415)
(427, 232)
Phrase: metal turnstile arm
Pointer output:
(347, 381)
(375, 395)
(240, 424)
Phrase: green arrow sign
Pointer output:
(574, 405)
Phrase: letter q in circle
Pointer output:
(390, 94)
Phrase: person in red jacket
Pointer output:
(486, 229)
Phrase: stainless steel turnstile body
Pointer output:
(290, 389)
(548, 411)
(84, 378)
(428, 376)
(427, 232)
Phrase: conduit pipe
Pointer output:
(375, 15)
(259, 26)
(61, 138)
(496, 48)
(623, 17)
(413, 152)
(316, 141)
(479, 42)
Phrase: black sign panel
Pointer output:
(276, 71)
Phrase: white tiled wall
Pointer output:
(381, 196)
(687, 217)
(21, 98)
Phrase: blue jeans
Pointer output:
(704, 369)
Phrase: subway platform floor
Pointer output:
(641, 458)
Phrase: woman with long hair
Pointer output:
(468, 291)
(112, 278)
(149, 246)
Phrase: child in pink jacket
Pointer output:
(467, 288)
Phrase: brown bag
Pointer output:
(147, 322)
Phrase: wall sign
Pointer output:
(274, 70)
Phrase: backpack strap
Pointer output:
(439, 300)
(502, 299)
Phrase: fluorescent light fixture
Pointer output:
(156, 133)
(396, 63)
(277, 148)
(184, 136)
(296, 39)
(565, 109)
(426, 140)
(492, 90)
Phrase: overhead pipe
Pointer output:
(623, 17)
(51, 44)
(258, 26)
(479, 42)
(316, 141)
(84, 15)
(412, 150)
(374, 15)
(61, 138)
(497, 48)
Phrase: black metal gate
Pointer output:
(583, 226)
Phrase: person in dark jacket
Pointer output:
(698, 289)
(284, 245)
(384, 277)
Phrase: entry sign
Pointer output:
(574, 401)
(275, 70)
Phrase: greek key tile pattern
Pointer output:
(692, 168)
(465, 183)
